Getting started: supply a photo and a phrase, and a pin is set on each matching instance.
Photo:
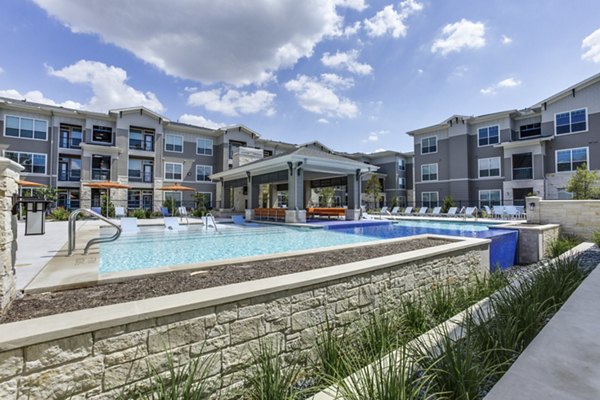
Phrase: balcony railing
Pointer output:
(522, 173)
(100, 174)
(135, 175)
(72, 143)
(73, 175)
(135, 144)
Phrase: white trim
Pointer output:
(488, 190)
(173, 151)
(31, 138)
(436, 145)
(207, 175)
(587, 161)
(437, 173)
(489, 144)
(32, 153)
(489, 176)
(587, 122)
(212, 147)
(165, 171)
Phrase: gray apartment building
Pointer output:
(68, 149)
(502, 157)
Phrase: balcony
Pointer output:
(522, 173)
(69, 143)
(73, 175)
(100, 174)
(135, 175)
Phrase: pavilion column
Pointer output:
(295, 211)
(225, 196)
(272, 195)
(307, 193)
(353, 191)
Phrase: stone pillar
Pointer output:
(272, 195)
(533, 209)
(9, 173)
(296, 188)
(307, 194)
(353, 191)
(254, 194)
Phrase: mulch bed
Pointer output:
(42, 304)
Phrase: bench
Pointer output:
(270, 213)
(326, 212)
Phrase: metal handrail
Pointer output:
(72, 231)
(212, 218)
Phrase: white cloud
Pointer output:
(37, 96)
(197, 40)
(374, 136)
(358, 5)
(234, 102)
(420, 71)
(505, 83)
(323, 121)
(460, 35)
(390, 20)
(591, 46)
(1, 70)
(506, 40)
(379, 150)
(347, 61)
(108, 83)
(351, 30)
(200, 121)
(318, 95)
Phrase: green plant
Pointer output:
(447, 203)
(139, 213)
(199, 212)
(373, 189)
(60, 214)
(596, 238)
(561, 245)
(111, 206)
(331, 348)
(584, 183)
(169, 204)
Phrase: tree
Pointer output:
(584, 184)
(326, 196)
(447, 203)
(373, 189)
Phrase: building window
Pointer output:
(234, 145)
(401, 183)
(490, 198)
(202, 172)
(206, 200)
(489, 135)
(489, 167)
(34, 163)
(70, 136)
(267, 153)
(429, 172)
(69, 169)
(100, 167)
(141, 139)
(174, 143)
(401, 165)
(522, 166)
(173, 171)
(26, 128)
(102, 134)
(204, 147)
(570, 159)
(429, 145)
(571, 121)
(530, 130)
(175, 197)
(429, 199)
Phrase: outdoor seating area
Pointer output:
(275, 214)
(328, 212)
(496, 212)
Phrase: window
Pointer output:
(102, 134)
(202, 172)
(267, 153)
(26, 128)
(571, 121)
(429, 172)
(141, 139)
(70, 136)
(488, 135)
(135, 169)
(34, 163)
(206, 199)
(489, 167)
(530, 130)
(175, 196)
(173, 171)
(174, 143)
(429, 199)
(401, 165)
(570, 159)
(204, 146)
(522, 166)
(489, 198)
(69, 169)
(100, 167)
(401, 183)
(234, 145)
(429, 145)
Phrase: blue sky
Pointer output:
(353, 74)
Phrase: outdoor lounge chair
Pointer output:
(469, 212)
(120, 212)
(240, 220)
(451, 212)
(499, 211)
(488, 211)
(383, 212)
(165, 212)
(129, 225)
(183, 214)
(436, 212)
(172, 224)
(407, 211)
(422, 211)
(366, 216)
(97, 210)
(394, 211)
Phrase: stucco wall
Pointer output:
(96, 359)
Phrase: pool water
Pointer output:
(151, 249)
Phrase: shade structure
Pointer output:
(107, 186)
(177, 188)
(29, 184)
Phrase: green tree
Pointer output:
(326, 196)
(373, 189)
(584, 184)
(447, 203)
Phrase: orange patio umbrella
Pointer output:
(106, 185)
(29, 184)
(177, 187)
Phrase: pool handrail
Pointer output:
(72, 230)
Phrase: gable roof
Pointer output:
(570, 90)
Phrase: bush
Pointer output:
(562, 244)
(199, 212)
(139, 213)
(596, 238)
(447, 203)
(60, 214)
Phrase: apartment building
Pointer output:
(502, 157)
(68, 149)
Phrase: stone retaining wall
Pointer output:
(98, 353)
(576, 217)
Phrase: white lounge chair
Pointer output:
(488, 211)
(469, 212)
(120, 212)
(394, 211)
(366, 216)
(183, 214)
(499, 211)
(437, 211)
(172, 224)
(422, 211)
(408, 211)
(383, 212)
(451, 212)
(129, 225)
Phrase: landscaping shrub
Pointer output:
(60, 214)
(562, 244)
(596, 238)
(139, 213)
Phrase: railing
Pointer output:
(72, 230)
(72, 176)
(523, 173)
(100, 174)
(209, 217)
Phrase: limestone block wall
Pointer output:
(103, 353)
(577, 217)
(9, 174)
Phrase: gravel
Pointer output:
(42, 304)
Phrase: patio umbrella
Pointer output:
(177, 187)
(29, 184)
(106, 185)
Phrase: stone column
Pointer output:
(296, 212)
(533, 210)
(353, 191)
(272, 195)
(9, 173)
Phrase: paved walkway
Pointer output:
(563, 361)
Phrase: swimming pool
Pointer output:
(151, 249)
